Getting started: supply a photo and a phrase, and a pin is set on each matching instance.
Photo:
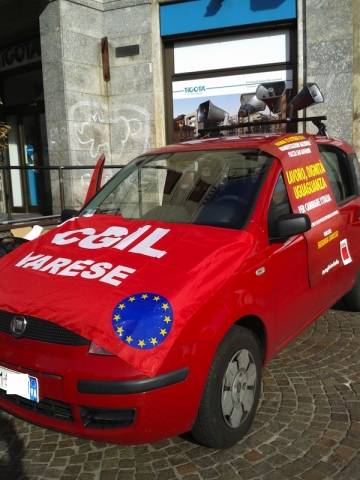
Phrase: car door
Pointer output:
(323, 253)
(344, 176)
(287, 265)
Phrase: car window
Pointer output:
(356, 165)
(338, 168)
(213, 187)
(279, 205)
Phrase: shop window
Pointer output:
(231, 52)
(210, 80)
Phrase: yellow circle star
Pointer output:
(116, 317)
(153, 341)
(163, 332)
(141, 343)
(121, 306)
(165, 306)
(120, 330)
(132, 299)
(167, 319)
(156, 299)
(144, 296)
(129, 339)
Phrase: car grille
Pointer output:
(48, 407)
(43, 331)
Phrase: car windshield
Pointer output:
(214, 187)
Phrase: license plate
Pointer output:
(16, 383)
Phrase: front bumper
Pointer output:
(98, 397)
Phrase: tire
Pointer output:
(232, 391)
(351, 300)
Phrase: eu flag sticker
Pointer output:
(143, 320)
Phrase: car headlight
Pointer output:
(96, 350)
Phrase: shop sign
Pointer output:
(19, 55)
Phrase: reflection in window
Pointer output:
(337, 166)
(212, 187)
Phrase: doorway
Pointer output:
(27, 184)
(30, 187)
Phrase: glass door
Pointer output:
(30, 190)
(29, 131)
(17, 196)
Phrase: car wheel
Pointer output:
(232, 391)
(352, 299)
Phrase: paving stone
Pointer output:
(253, 456)
(51, 473)
(87, 476)
(59, 462)
(166, 474)
(125, 463)
(110, 463)
(109, 474)
(160, 464)
(73, 470)
(126, 475)
(92, 466)
(145, 476)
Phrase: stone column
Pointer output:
(76, 101)
(86, 115)
(329, 52)
(356, 76)
(131, 88)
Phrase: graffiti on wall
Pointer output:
(121, 133)
(123, 128)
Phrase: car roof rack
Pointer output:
(317, 121)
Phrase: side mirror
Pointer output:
(308, 96)
(67, 213)
(289, 225)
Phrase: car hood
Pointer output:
(129, 286)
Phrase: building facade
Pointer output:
(83, 77)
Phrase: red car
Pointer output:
(152, 312)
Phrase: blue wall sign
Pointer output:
(199, 15)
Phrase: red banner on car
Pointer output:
(127, 285)
(309, 190)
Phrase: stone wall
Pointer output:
(75, 93)
(328, 34)
(356, 76)
(131, 85)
